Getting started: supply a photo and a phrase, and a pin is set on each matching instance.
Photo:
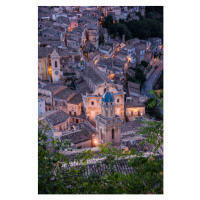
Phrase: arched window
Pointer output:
(104, 90)
(113, 134)
(55, 63)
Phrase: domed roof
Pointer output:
(107, 97)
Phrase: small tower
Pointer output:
(55, 61)
(108, 124)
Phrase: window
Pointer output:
(75, 114)
(55, 63)
(113, 134)
(131, 112)
(106, 113)
(92, 103)
(70, 113)
(63, 66)
(117, 100)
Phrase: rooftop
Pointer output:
(64, 94)
(44, 51)
(96, 76)
(57, 117)
(134, 104)
(76, 99)
(52, 87)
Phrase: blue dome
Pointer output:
(108, 97)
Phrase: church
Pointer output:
(108, 124)
(92, 86)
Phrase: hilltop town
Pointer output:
(94, 75)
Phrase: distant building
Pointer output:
(41, 106)
(81, 136)
(134, 109)
(156, 44)
(93, 34)
(140, 52)
(58, 119)
(46, 93)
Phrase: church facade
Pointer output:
(93, 86)
(108, 124)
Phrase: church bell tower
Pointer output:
(108, 124)
(55, 60)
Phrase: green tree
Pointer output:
(101, 39)
(144, 63)
(128, 17)
(53, 178)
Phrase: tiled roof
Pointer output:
(64, 94)
(57, 117)
(43, 52)
(76, 99)
(120, 166)
(133, 104)
(134, 87)
(52, 87)
(83, 87)
(77, 136)
(128, 126)
(96, 76)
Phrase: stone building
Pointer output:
(93, 33)
(46, 93)
(108, 124)
(56, 72)
(41, 106)
(61, 98)
(81, 136)
(44, 63)
(57, 119)
(92, 86)
(134, 109)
